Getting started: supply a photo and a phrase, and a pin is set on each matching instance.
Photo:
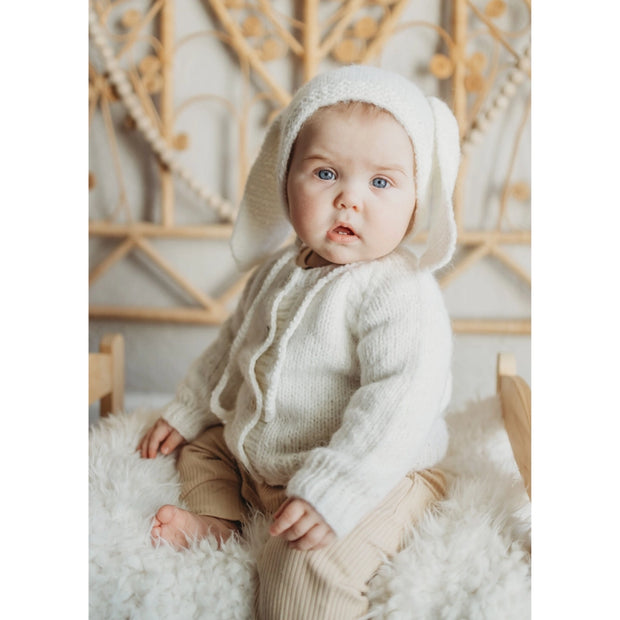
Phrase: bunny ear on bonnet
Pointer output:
(261, 226)
(441, 240)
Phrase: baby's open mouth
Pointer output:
(343, 230)
(342, 233)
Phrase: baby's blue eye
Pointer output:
(380, 183)
(325, 175)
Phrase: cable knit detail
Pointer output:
(334, 382)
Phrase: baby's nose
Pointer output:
(348, 199)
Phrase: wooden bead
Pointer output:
(252, 26)
(149, 64)
(159, 144)
(502, 102)
(482, 123)
(141, 120)
(509, 89)
(347, 51)
(474, 82)
(491, 113)
(475, 135)
(441, 66)
(477, 62)
(520, 191)
(123, 88)
(131, 18)
(271, 49)
(180, 142)
(150, 131)
(524, 64)
(495, 8)
(108, 54)
(365, 28)
(517, 76)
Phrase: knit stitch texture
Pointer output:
(331, 381)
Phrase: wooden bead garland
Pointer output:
(225, 209)
(500, 103)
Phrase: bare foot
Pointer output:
(179, 527)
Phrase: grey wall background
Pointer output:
(158, 354)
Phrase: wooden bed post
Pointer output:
(106, 370)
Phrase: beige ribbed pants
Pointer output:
(322, 584)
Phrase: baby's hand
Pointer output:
(298, 522)
(161, 436)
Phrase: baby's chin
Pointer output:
(348, 255)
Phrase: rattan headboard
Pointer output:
(479, 62)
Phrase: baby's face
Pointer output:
(351, 187)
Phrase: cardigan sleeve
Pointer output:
(190, 412)
(404, 351)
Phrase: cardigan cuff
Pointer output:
(189, 424)
(343, 502)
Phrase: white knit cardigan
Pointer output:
(330, 381)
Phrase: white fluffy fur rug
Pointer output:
(467, 560)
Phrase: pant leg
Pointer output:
(210, 477)
(331, 583)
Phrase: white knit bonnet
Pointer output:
(263, 224)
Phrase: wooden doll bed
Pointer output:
(107, 385)
(469, 558)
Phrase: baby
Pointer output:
(321, 401)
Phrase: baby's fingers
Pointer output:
(159, 434)
(154, 438)
(172, 442)
(281, 508)
(318, 537)
(144, 443)
(291, 512)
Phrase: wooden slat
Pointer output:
(245, 50)
(111, 259)
(113, 346)
(172, 273)
(197, 316)
(492, 326)
(99, 376)
(515, 396)
(146, 229)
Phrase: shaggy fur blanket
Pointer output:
(469, 558)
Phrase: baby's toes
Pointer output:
(166, 514)
(155, 535)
